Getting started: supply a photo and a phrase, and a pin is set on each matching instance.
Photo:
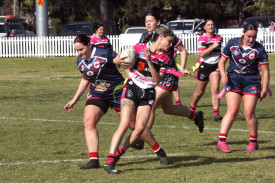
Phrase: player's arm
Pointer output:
(221, 66)
(207, 51)
(183, 60)
(156, 76)
(81, 89)
(266, 79)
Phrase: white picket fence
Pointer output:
(63, 46)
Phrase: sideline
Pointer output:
(79, 160)
(116, 124)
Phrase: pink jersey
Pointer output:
(205, 42)
(100, 42)
(140, 72)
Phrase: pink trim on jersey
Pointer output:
(96, 40)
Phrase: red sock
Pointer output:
(193, 112)
(93, 156)
(156, 148)
(215, 112)
(178, 102)
(110, 158)
(253, 138)
(222, 137)
(120, 151)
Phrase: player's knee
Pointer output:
(139, 129)
(249, 114)
(89, 124)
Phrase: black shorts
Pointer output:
(204, 71)
(138, 95)
(102, 104)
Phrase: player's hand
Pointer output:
(119, 61)
(69, 106)
(263, 95)
(185, 72)
(224, 79)
(148, 55)
(216, 44)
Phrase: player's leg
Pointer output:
(177, 96)
(92, 114)
(233, 101)
(214, 80)
(200, 89)
(250, 102)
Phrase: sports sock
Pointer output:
(253, 138)
(120, 151)
(222, 137)
(110, 158)
(215, 112)
(156, 148)
(93, 156)
(193, 112)
(178, 102)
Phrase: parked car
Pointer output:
(255, 20)
(136, 30)
(187, 26)
(76, 28)
(15, 27)
(131, 36)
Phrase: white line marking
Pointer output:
(79, 160)
(116, 124)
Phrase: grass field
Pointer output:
(42, 143)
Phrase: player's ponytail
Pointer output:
(247, 27)
(148, 37)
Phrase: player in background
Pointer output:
(139, 95)
(176, 92)
(98, 67)
(170, 82)
(206, 69)
(243, 82)
(99, 39)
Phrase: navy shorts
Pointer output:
(243, 84)
(106, 100)
(204, 71)
(169, 82)
(138, 95)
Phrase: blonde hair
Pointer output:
(161, 30)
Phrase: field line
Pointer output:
(116, 124)
(80, 160)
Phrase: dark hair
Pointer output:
(161, 30)
(97, 26)
(246, 28)
(155, 13)
(205, 21)
(82, 38)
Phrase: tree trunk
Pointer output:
(105, 15)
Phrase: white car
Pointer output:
(131, 37)
(187, 26)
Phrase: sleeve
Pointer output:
(112, 53)
(92, 40)
(263, 57)
(226, 50)
(177, 41)
(201, 43)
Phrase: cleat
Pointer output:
(199, 120)
(217, 118)
(252, 147)
(91, 165)
(110, 168)
(163, 157)
(222, 146)
(138, 144)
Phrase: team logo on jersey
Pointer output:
(235, 53)
(141, 54)
(141, 66)
(96, 64)
(242, 61)
(90, 73)
(101, 85)
(82, 68)
(252, 56)
(151, 102)
(98, 41)
(209, 40)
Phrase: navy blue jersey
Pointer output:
(169, 52)
(100, 70)
(245, 60)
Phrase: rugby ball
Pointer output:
(131, 55)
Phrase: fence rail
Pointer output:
(63, 46)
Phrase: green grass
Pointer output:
(42, 143)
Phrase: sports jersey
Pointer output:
(245, 60)
(101, 72)
(205, 42)
(100, 42)
(169, 52)
(140, 72)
